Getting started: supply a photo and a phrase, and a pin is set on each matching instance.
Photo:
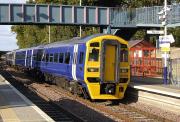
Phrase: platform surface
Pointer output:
(154, 85)
(15, 107)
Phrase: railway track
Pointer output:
(57, 113)
(121, 112)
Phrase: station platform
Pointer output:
(15, 107)
(155, 85)
(152, 91)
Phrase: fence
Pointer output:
(174, 72)
(147, 67)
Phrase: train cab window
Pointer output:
(81, 58)
(61, 57)
(94, 54)
(124, 53)
(67, 58)
(51, 57)
(56, 57)
(47, 57)
(95, 44)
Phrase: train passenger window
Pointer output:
(81, 58)
(56, 57)
(67, 57)
(51, 58)
(34, 57)
(61, 57)
(94, 54)
(47, 57)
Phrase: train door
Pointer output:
(28, 62)
(110, 61)
(80, 62)
(25, 63)
(74, 61)
(67, 61)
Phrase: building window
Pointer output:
(81, 58)
(67, 57)
(61, 57)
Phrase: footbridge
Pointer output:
(86, 15)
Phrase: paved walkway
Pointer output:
(15, 107)
(154, 85)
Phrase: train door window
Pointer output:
(94, 54)
(47, 57)
(81, 57)
(61, 57)
(51, 57)
(44, 57)
(56, 57)
(67, 58)
(39, 55)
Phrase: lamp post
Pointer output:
(165, 53)
(80, 29)
(49, 34)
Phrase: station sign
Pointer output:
(165, 47)
(155, 32)
(166, 39)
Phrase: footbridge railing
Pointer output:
(86, 15)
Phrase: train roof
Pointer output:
(75, 40)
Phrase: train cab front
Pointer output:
(104, 66)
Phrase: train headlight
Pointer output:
(93, 69)
(123, 70)
(110, 89)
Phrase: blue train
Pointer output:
(95, 66)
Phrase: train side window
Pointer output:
(61, 57)
(94, 55)
(56, 57)
(81, 58)
(51, 57)
(67, 58)
(47, 57)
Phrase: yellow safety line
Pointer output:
(6, 112)
(8, 115)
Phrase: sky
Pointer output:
(8, 38)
